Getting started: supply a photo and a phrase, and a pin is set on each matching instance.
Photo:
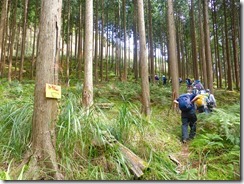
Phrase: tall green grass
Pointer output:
(83, 140)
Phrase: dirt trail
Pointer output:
(181, 158)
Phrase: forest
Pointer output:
(83, 95)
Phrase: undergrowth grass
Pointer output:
(83, 144)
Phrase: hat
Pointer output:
(207, 90)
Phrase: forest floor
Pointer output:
(157, 141)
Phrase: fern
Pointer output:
(227, 125)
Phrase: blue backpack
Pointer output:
(185, 102)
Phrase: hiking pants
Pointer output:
(189, 120)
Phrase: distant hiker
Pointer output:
(211, 102)
(198, 85)
(201, 102)
(188, 83)
(156, 78)
(180, 80)
(188, 115)
(164, 79)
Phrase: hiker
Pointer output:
(164, 79)
(188, 115)
(180, 80)
(200, 102)
(156, 78)
(198, 85)
(188, 83)
(211, 102)
(195, 90)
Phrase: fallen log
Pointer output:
(105, 105)
(134, 162)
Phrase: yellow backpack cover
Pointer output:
(201, 100)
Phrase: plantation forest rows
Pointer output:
(80, 99)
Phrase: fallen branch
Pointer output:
(174, 160)
(135, 163)
(105, 105)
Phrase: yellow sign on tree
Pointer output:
(53, 91)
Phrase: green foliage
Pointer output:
(218, 143)
(225, 124)
(15, 119)
(82, 142)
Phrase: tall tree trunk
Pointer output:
(202, 51)
(118, 47)
(43, 157)
(194, 45)
(219, 75)
(125, 42)
(135, 60)
(143, 58)
(224, 58)
(87, 94)
(2, 29)
(102, 42)
(178, 46)
(34, 44)
(215, 74)
(207, 47)
(23, 40)
(183, 71)
(5, 45)
(68, 46)
(96, 43)
(234, 42)
(13, 28)
(63, 31)
(17, 51)
(227, 50)
(80, 41)
(107, 41)
(172, 50)
(150, 36)
(76, 39)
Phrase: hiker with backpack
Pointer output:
(164, 79)
(188, 83)
(188, 115)
(200, 102)
(211, 102)
(198, 85)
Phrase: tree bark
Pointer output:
(135, 60)
(68, 46)
(150, 36)
(202, 51)
(96, 43)
(207, 47)
(80, 41)
(2, 29)
(101, 43)
(43, 157)
(234, 43)
(143, 58)
(229, 77)
(23, 41)
(87, 96)
(125, 42)
(13, 28)
(172, 50)
(194, 45)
